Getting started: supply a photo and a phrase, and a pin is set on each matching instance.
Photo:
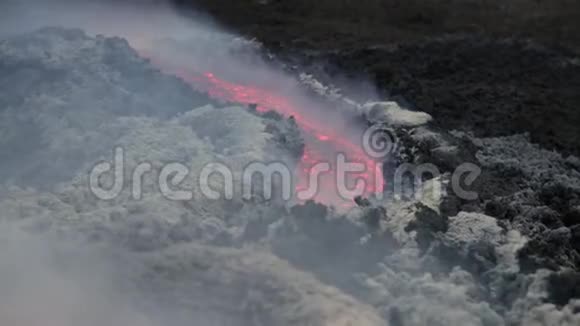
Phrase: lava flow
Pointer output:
(323, 141)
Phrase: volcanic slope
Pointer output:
(401, 263)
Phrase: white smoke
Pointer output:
(47, 283)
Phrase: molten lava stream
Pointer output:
(322, 142)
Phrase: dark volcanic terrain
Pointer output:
(490, 67)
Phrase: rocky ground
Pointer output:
(508, 257)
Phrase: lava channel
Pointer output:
(323, 141)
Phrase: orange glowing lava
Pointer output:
(322, 142)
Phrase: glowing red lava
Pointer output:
(323, 142)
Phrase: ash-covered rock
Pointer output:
(155, 221)
(108, 97)
(392, 114)
(60, 87)
(285, 131)
(427, 224)
(529, 195)
(533, 190)
(472, 240)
